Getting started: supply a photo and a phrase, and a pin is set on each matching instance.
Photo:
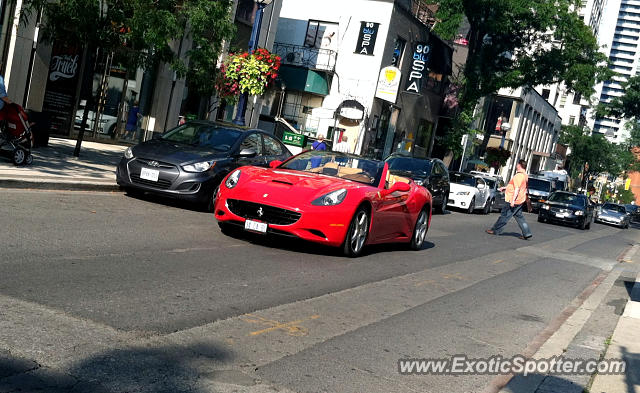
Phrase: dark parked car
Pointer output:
(189, 161)
(633, 211)
(567, 208)
(428, 172)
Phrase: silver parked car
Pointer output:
(611, 213)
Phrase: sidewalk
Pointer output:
(55, 167)
(625, 344)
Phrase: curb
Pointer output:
(58, 185)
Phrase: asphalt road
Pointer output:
(149, 268)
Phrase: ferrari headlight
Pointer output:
(546, 207)
(233, 179)
(579, 213)
(199, 166)
(333, 198)
(128, 154)
(463, 193)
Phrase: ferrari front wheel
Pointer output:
(420, 231)
(357, 233)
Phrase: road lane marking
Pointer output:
(497, 262)
(292, 328)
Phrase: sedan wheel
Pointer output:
(472, 205)
(357, 234)
(487, 206)
(420, 231)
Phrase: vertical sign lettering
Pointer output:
(60, 92)
(421, 55)
(367, 38)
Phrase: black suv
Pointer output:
(428, 172)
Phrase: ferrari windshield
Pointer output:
(336, 164)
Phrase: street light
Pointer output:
(253, 45)
(504, 127)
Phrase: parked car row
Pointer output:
(250, 180)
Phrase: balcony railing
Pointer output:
(421, 10)
(303, 56)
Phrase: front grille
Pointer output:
(160, 184)
(270, 214)
(160, 164)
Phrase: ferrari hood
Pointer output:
(287, 187)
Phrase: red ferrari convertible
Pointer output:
(326, 197)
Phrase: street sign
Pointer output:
(388, 84)
(293, 139)
(627, 184)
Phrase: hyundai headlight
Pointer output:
(579, 213)
(233, 179)
(546, 207)
(463, 193)
(199, 167)
(128, 154)
(333, 198)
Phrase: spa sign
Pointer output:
(421, 55)
(367, 38)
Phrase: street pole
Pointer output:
(253, 45)
(465, 139)
(83, 65)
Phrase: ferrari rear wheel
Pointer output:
(357, 234)
(420, 231)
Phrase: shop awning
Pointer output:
(302, 79)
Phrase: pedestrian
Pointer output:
(4, 98)
(132, 121)
(319, 144)
(343, 145)
(516, 197)
(591, 191)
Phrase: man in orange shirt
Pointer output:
(516, 196)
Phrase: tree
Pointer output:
(514, 43)
(627, 105)
(594, 154)
(142, 33)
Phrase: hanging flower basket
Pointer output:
(496, 158)
(247, 73)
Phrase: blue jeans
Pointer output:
(505, 216)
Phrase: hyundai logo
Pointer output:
(260, 212)
(154, 163)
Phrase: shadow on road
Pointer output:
(300, 246)
(166, 369)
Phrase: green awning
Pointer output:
(302, 79)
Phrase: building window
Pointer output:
(572, 120)
(546, 93)
(576, 99)
(398, 51)
(321, 35)
(563, 100)
(245, 11)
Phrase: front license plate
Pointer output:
(255, 226)
(149, 174)
(561, 215)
